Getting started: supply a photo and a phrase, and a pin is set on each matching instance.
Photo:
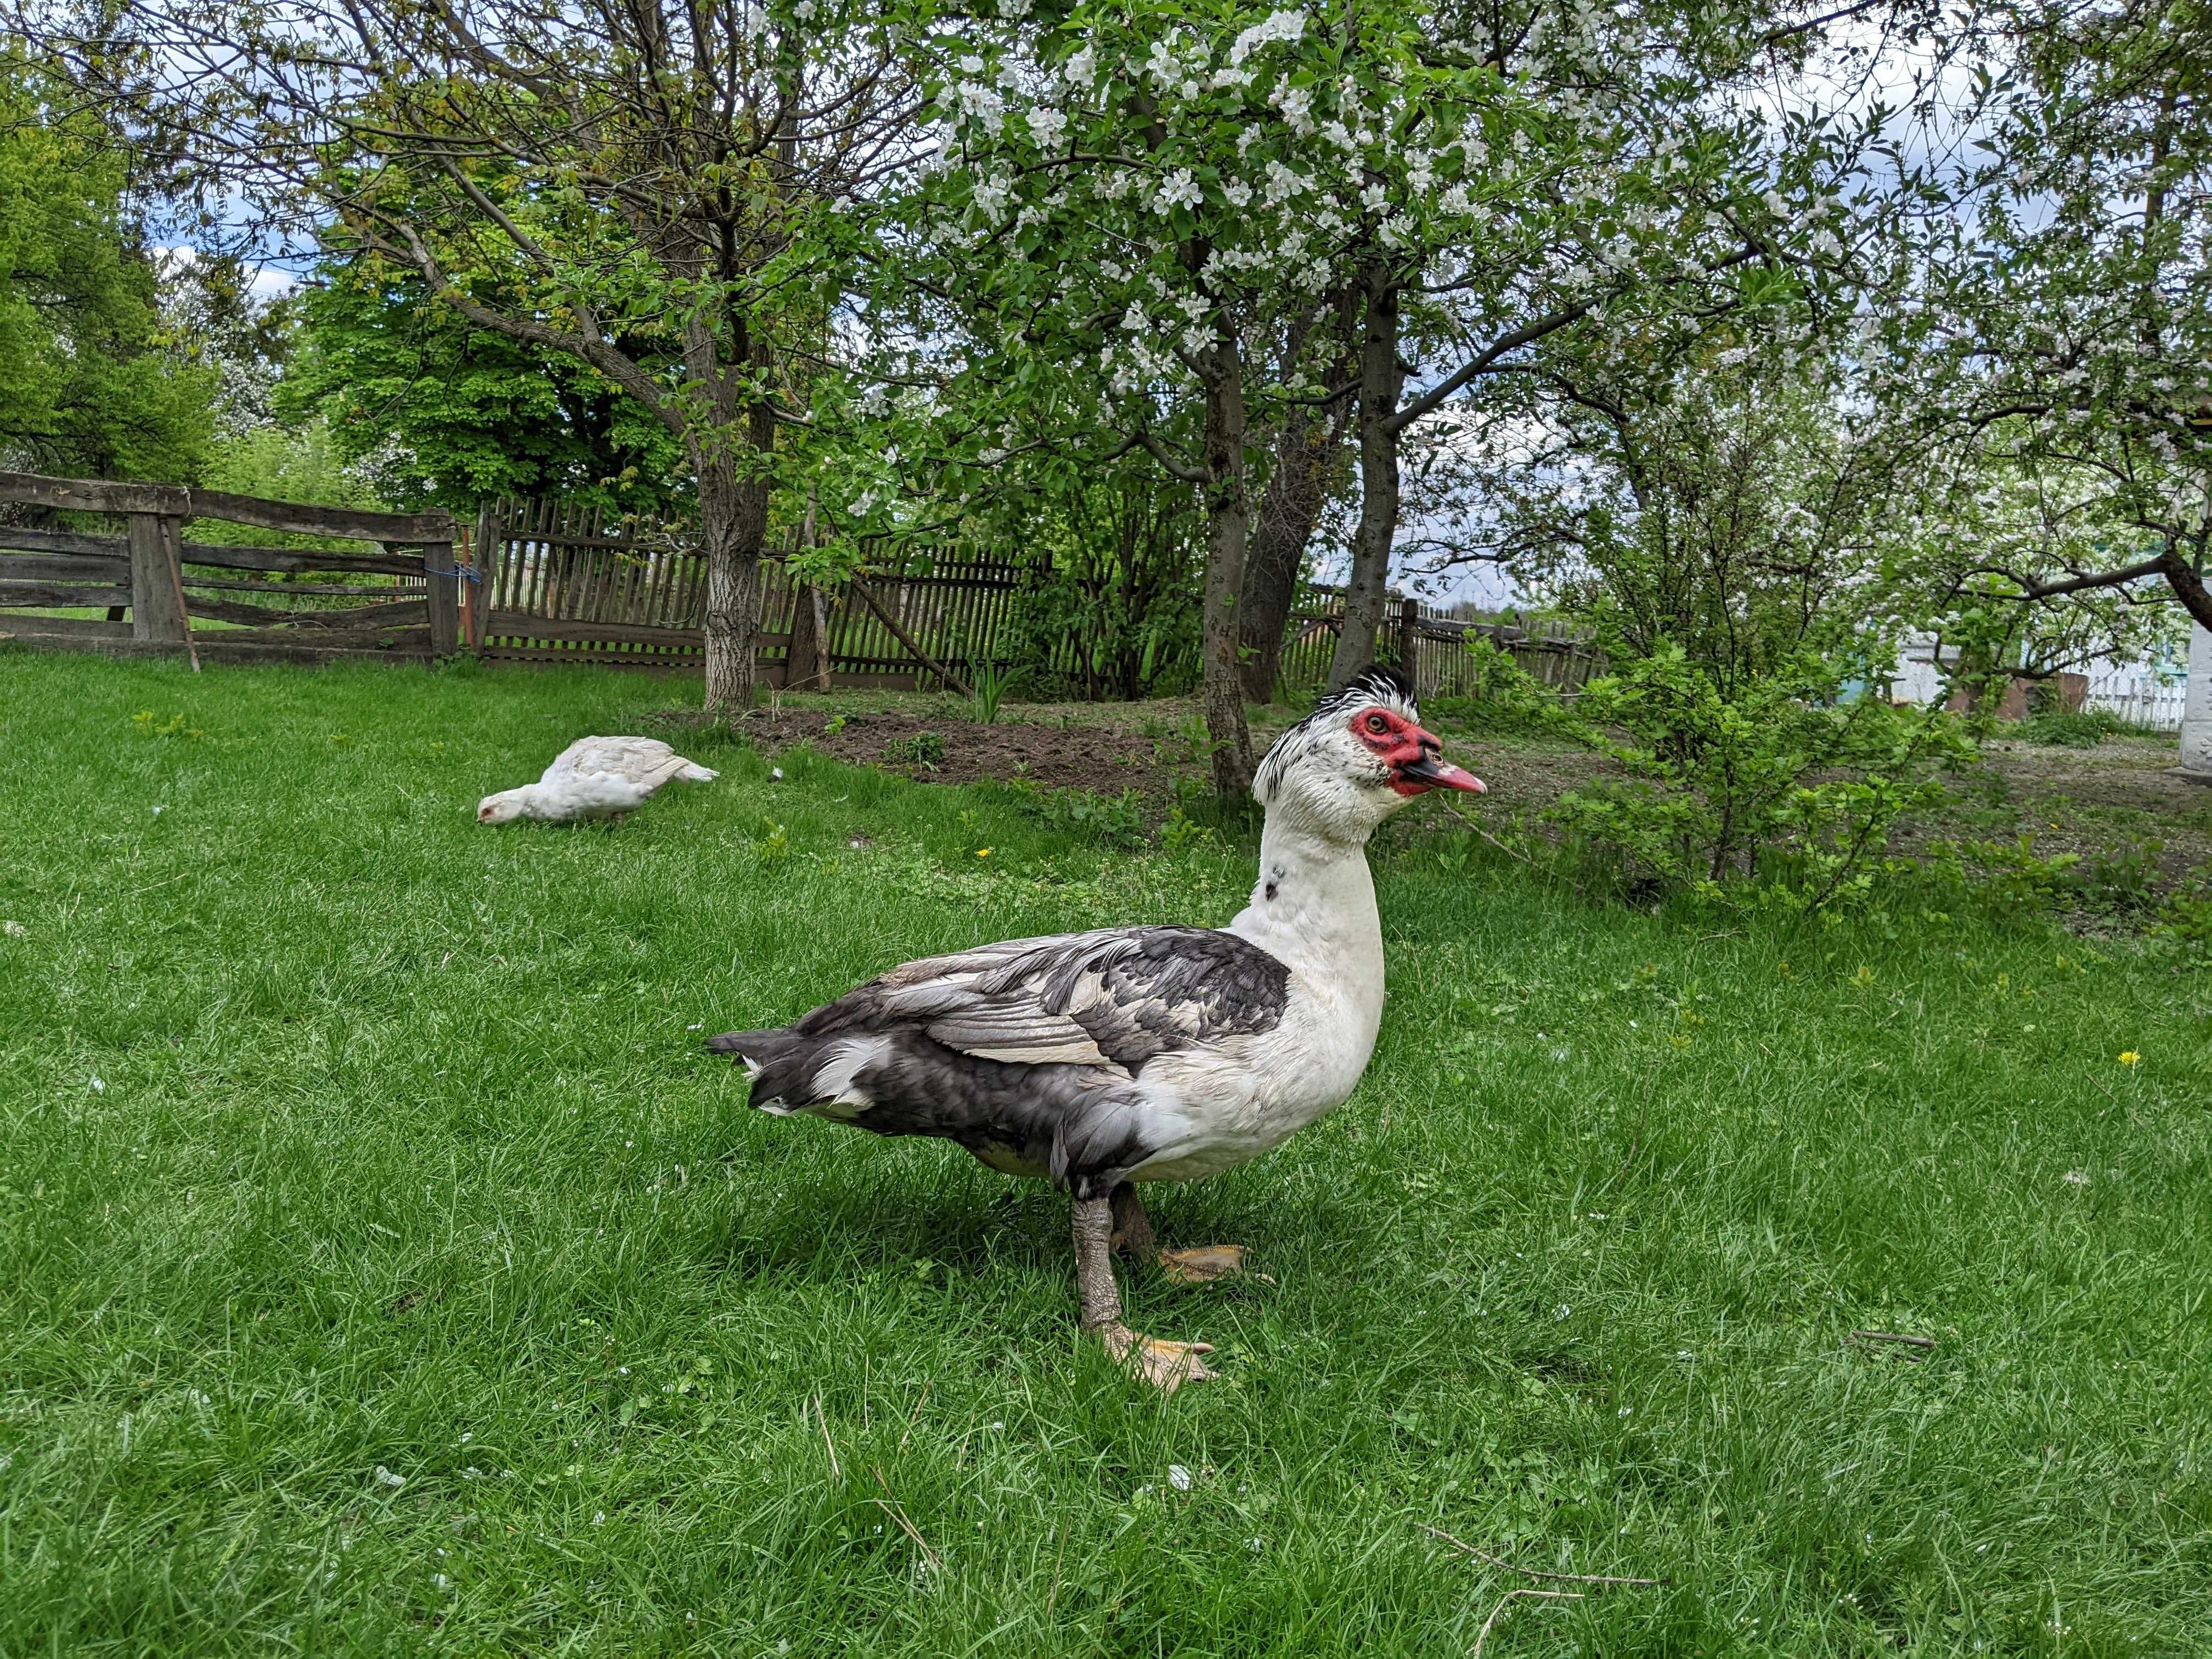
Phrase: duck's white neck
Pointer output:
(1313, 906)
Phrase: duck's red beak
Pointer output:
(1429, 770)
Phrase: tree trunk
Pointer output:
(1306, 453)
(733, 584)
(731, 460)
(1228, 526)
(1380, 382)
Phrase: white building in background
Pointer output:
(2149, 694)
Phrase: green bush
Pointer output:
(1773, 786)
(2083, 728)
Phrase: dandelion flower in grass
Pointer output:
(2129, 1057)
(983, 851)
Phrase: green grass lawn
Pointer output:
(383, 1267)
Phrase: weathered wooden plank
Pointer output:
(90, 628)
(370, 641)
(69, 543)
(220, 556)
(511, 624)
(54, 593)
(304, 518)
(28, 567)
(286, 589)
(401, 613)
(93, 495)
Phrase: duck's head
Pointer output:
(503, 808)
(1359, 756)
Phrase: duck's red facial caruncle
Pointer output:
(1412, 756)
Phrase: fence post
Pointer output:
(441, 590)
(1409, 636)
(484, 559)
(157, 611)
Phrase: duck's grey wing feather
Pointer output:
(1029, 1050)
(1119, 996)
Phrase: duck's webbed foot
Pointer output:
(1132, 1232)
(1203, 1263)
(1166, 1365)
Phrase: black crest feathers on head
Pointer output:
(1377, 683)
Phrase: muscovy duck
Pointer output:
(594, 778)
(1103, 1058)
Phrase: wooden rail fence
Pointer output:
(545, 581)
(231, 602)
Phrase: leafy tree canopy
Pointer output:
(440, 412)
(86, 386)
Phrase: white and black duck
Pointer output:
(1103, 1058)
(594, 778)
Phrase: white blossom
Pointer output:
(1279, 26)
(983, 103)
(1047, 125)
(1081, 69)
(1297, 105)
(1179, 190)
(1237, 191)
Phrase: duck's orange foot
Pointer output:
(1166, 1365)
(1205, 1263)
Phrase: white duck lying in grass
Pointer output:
(1143, 1054)
(594, 778)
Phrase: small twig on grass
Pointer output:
(1488, 1559)
(1899, 1337)
(1514, 853)
(926, 1386)
(1635, 1141)
(837, 1473)
(897, 1512)
(1510, 1598)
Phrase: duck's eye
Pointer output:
(1377, 725)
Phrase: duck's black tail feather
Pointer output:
(780, 1062)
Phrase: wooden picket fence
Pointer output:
(1431, 647)
(234, 602)
(568, 583)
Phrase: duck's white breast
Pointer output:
(1216, 1108)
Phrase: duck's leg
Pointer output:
(1133, 1231)
(1133, 1228)
(1167, 1366)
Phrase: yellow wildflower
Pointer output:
(2129, 1057)
(983, 851)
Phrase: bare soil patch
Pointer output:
(1104, 759)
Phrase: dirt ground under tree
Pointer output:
(2119, 799)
